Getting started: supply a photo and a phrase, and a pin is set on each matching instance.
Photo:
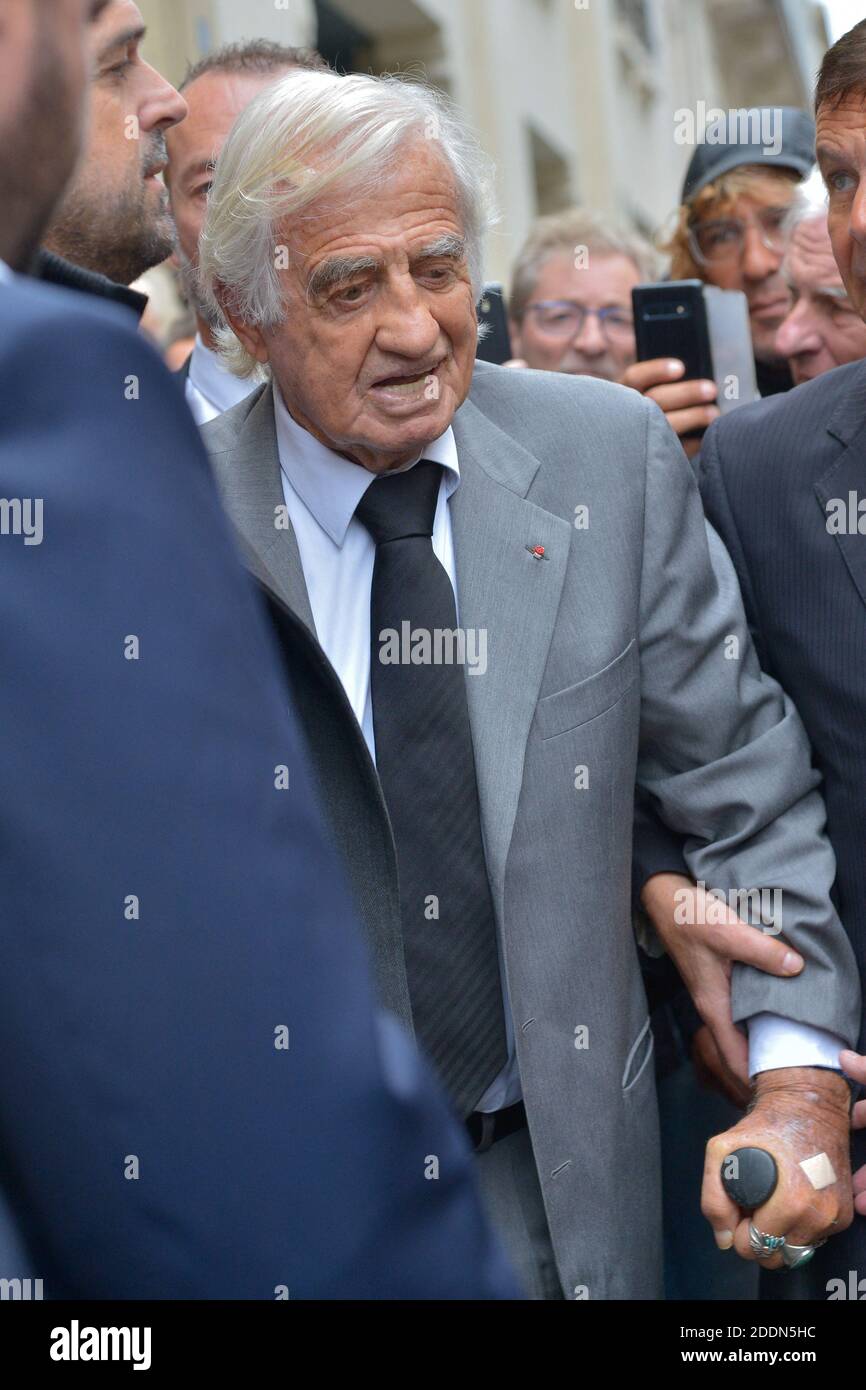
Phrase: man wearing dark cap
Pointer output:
(730, 233)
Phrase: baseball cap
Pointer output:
(795, 141)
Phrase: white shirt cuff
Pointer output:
(780, 1042)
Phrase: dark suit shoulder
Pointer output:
(54, 270)
(32, 304)
(795, 435)
(80, 366)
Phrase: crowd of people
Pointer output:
(401, 749)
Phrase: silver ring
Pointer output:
(762, 1244)
(793, 1256)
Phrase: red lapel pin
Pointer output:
(537, 551)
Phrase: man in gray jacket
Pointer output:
(506, 581)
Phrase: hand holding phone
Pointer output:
(688, 404)
(705, 332)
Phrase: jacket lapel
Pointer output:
(251, 483)
(846, 478)
(248, 475)
(506, 592)
(503, 590)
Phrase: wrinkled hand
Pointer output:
(713, 1073)
(687, 404)
(704, 950)
(855, 1067)
(798, 1112)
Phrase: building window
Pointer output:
(550, 172)
(636, 15)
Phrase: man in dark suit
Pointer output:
(784, 484)
(769, 474)
(199, 1096)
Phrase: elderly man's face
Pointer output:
(841, 148)
(580, 317)
(823, 329)
(378, 345)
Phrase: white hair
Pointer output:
(309, 136)
(808, 203)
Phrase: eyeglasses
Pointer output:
(724, 238)
(563, 318)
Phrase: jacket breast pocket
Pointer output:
(578, 704)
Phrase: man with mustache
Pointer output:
(113, 222)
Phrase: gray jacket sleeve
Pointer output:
(726, 759)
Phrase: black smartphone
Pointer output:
(495, 345)
(706, 328)
(670, 320)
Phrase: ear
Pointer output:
(514, 334)
(250, 336)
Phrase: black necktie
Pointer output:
(427, 770)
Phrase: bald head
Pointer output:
(214, 101)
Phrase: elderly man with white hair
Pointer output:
(498, 610)
(823, 328)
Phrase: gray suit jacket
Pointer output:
(622, 654)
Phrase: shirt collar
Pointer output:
(5, 272)
(331, 486)
(210, 376)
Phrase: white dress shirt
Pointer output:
(210, 387)
(5, 272)
(322, 490)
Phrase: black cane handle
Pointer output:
(749, 1177)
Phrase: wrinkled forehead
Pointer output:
(562, 273)
(413, 197)
(841, 128)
